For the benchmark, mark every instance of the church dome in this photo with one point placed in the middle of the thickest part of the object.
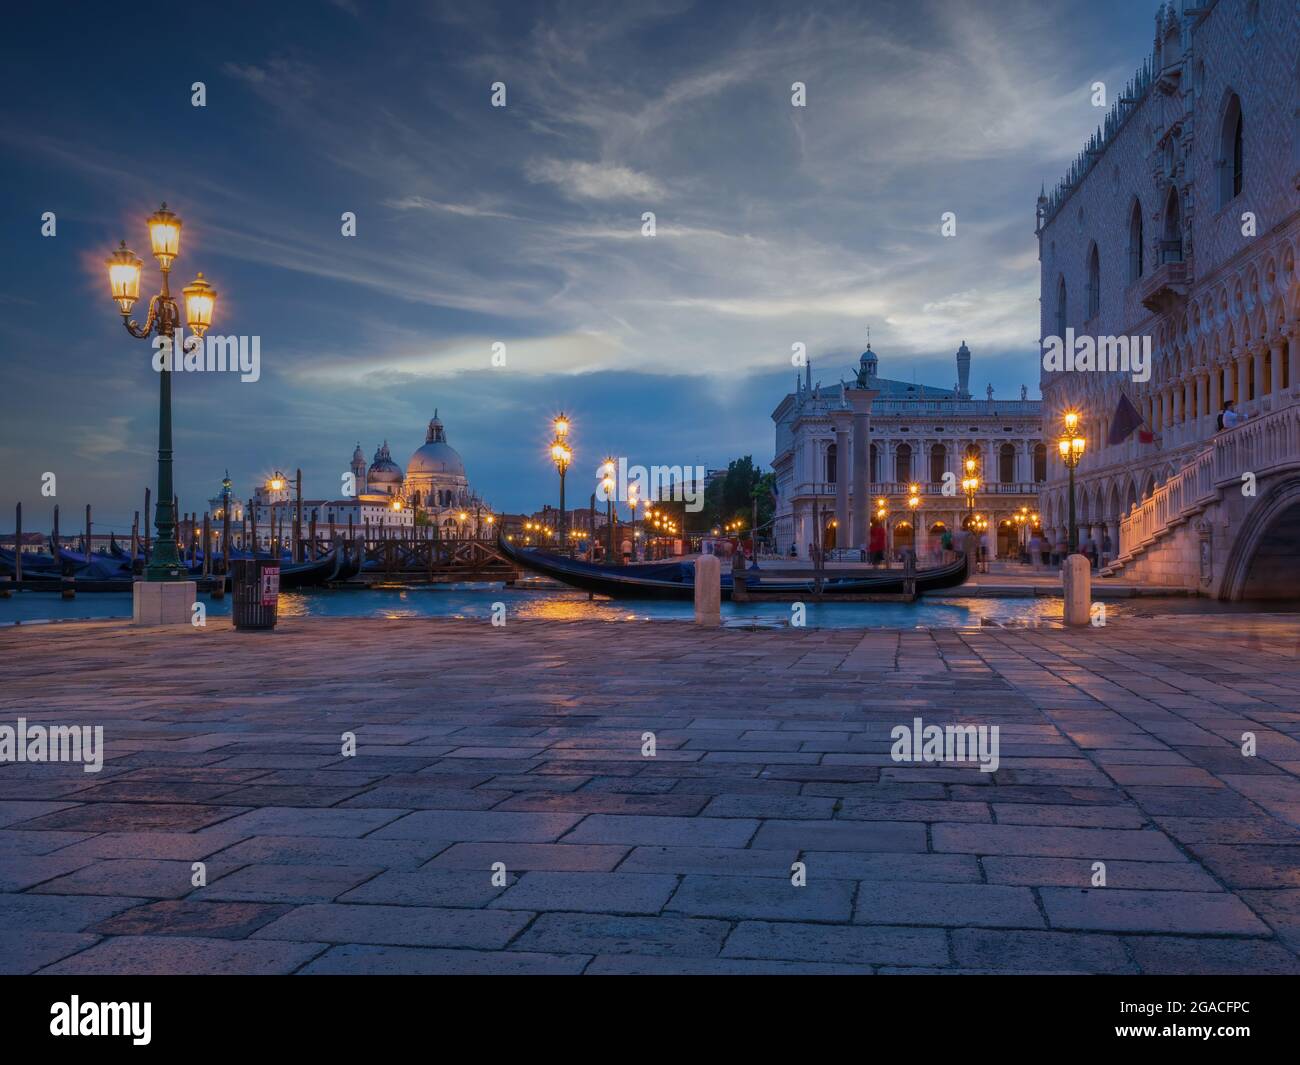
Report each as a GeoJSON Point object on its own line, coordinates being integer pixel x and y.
{"type": "Point", "coordinates": [436, 457]}
{"type": "Point", "coordinates": [384, 470]}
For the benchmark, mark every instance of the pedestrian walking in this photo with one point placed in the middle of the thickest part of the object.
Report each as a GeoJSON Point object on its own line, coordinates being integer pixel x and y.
{"type": "Point", "coordinates": [1036, 551]}
{"type": "Point", "coordinates": [877, 544]}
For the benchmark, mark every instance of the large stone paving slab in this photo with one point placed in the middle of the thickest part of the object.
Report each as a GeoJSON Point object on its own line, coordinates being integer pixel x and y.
{"type": "Point", "coordinates": [513, 824]}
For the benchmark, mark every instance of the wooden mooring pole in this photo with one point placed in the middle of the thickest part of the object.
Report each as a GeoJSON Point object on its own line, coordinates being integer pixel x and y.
{"type": "Point", "coordinates": [16, 580]}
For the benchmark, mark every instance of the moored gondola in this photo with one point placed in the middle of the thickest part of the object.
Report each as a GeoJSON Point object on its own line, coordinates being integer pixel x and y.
{"type": "Point", "coordinates": [676, 580]}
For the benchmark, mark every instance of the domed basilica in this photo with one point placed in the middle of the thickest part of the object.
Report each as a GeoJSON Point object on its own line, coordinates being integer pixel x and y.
{"type": "Point", "coordinates": [434, 484]}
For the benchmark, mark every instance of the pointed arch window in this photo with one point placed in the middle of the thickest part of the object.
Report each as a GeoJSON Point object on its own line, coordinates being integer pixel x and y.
{"type": "Point", "coordinates": [1135, 264]}
{"type": "Point", "coordinates": [1171, 242]}
{"type": "Point", "coordinates": [831, 459]}
{"type": "Point", "coordinates": [1060, 307]}
{"type": "Point", "coordinates": [1231, 152]}
{"type": "Point", "coordinates": [1094, 282]}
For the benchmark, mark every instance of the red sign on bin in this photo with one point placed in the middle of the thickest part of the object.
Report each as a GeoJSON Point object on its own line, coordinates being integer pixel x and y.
{"type": "Point", "coordinates": [270, 585]}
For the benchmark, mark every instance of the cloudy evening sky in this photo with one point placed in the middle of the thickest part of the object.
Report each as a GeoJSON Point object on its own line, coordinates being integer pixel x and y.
{"type": "Point", "coordinates": [521, 224]}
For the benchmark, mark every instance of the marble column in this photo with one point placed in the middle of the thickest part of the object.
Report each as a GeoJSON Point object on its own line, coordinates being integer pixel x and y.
{"type": "Point", "coordinates": [1243, 381]}
{"type": "Point", "coordinates": [860, 401]}
{"type": "Point", "coordinates": [1216, 392]}
{"type": "Point", "coordinates": [1293, 365]}
{"type": "Point", "coordinates": [842, 421]}
{"type": "Point", "coordinates": [1277, 352]}
{"type": "Point", "coordinates": [1261, 385]}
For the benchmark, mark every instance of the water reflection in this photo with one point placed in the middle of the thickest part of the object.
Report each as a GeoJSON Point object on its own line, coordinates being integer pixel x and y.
{"type": "Point", "coordinates": [475, 602]}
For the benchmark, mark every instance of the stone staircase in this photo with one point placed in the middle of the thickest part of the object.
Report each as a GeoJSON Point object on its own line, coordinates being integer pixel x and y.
{"type": "Point", "coordinates": [1181, 498]}
{"type": "Point", "coordinates": [1155, 543]}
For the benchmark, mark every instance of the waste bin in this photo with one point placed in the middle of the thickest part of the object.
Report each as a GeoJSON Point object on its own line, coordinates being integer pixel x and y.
{"type": "Point", "coordinates": [256, 587]}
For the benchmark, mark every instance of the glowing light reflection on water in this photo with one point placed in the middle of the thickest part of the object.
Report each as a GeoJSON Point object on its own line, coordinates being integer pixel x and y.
{"type": "Point", "coordinates": [476, 602]}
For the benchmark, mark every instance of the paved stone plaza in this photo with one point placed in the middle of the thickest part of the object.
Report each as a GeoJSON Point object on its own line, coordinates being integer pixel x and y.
{"type": "Point", "coordinates": [522, 745]}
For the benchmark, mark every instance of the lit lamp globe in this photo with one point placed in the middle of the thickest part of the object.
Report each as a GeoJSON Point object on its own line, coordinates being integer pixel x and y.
{"type": "Point", "coordinates": [165, 236]}
{"type": "Point", "coordinates": [124, 278]}
{"type": "Point", "coordinates": [200, 302]}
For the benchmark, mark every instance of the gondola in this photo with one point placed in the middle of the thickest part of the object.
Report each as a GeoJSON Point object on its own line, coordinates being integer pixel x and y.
{"type": "Point", "coordinates": [33, 561]}
{"type": "Point", "coordinates": [676, 580]}
{"type": "Point", "coordinates": [99, 567]}
{"type": "Point", "coordinates": [102, 578]}
{"type": "Point", "coordinates": [311, 572]}
{"type": "Point", "coordinates": [349, 565]}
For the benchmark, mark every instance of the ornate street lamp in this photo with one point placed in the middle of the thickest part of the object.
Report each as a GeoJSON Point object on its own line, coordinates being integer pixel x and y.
{"type": "Point", "coordinates": [163, 318]}
{"type": "Point", "coordinates": [913, 504]}
{"type": "Point", "coordinates": [1071, 445]}
{"type": "Point", "coordinates": [970, 485]}
{"type": "Point", "coordinates": [561, 455]}
{"type": "Point", "coordinates": [633, 501]}
{"type": "Point", "coordinates": [608, 486]}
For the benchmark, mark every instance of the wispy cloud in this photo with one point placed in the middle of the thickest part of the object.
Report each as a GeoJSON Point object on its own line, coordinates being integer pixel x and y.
{"type": "Point", "coordinates": [595, 181]}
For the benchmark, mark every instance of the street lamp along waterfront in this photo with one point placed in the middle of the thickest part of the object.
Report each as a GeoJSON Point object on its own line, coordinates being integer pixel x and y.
{"type": "Point", "coordinates": [970, 485]}
{"type": "Point", "coordinates": [607, 487]}
{"type": "Point", "coordinates": [561, 455]}
{"type": "Point", "coordinates": [1071, 446]}
{"type": "Point", "coordinates": [156, 605]}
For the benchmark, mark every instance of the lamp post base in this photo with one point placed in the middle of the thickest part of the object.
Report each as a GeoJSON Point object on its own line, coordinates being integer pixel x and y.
{"type": "Point", "coordinates": [163, 602]}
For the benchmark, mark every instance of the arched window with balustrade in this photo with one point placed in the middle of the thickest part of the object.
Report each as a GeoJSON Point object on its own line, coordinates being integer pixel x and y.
{"type": "Point", "coordinates": [1007, 463]}
{"type": "Point", "coordinates": [903, 463]}
{"type": "Point", "coordinates": [1040, 463]}
{"type": "Point", "coordinates": [831, 470]}
{"type": "Point", "coordinates": [938, 462]}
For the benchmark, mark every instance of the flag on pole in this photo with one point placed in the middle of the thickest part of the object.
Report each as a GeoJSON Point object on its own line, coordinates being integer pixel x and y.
{"type": "Point", "coordinates": [1125, 419]}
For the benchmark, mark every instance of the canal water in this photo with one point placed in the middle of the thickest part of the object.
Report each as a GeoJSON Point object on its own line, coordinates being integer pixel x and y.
{"type": "Point", "coordinates": [476, 601]}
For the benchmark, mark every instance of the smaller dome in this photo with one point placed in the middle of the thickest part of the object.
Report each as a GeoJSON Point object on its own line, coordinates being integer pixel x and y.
{"type": "Point", "coordinates": [384, 470]}
{"type": "Point", "coordinates": [358, 455]}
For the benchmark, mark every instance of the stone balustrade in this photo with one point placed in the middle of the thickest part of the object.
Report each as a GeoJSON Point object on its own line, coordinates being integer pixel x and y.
{"type": "Point", "coordinates": [1256, 446]}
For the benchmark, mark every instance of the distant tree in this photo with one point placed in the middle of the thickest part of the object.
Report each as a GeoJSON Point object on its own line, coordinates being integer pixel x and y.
{"type": "Point", "coordinates": [731, 497]}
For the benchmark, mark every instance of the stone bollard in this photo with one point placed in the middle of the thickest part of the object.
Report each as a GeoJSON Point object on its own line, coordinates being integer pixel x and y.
{"type": "Point", "coordinates": [708, 590]}
{"type": "Point", "coordinates": [1076, 583]}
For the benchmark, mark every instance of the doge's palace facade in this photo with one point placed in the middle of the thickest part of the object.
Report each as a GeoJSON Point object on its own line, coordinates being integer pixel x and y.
{"type": "Point", "coordinates": [1180, 221]}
